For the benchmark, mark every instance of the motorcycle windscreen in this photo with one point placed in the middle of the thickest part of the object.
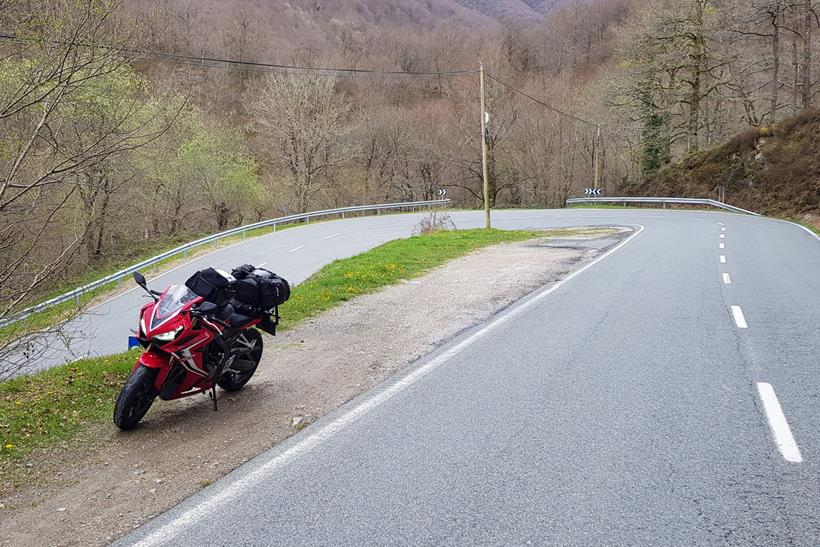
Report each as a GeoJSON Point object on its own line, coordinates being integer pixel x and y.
{"type": "Point", "coordinates": [170, 303]}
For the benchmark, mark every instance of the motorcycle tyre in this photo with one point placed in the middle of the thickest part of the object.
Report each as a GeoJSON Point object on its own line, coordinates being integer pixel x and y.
{"type": "Point", "coordinates": [234, 382]}
{"type": "Point", "coordinates": [135, 398]}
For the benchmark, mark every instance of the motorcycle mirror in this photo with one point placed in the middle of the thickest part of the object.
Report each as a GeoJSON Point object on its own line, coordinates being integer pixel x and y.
{"type": "Point", "coordinates": [208, 307]}
{"type": "Point", "coordinates": [140, 279]}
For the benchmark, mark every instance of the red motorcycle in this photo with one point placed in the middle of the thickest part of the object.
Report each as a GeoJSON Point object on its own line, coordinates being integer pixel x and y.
{"type": "Point", "coordinates": [200, 335]}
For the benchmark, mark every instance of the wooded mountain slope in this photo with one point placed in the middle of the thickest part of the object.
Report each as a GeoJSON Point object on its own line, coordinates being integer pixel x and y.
{"type": "Point", "coordinates": [771, 170]}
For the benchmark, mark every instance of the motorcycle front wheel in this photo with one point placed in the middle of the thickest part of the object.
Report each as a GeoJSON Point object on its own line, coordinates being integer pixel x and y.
{"type": "Point", "coordinates": [136, 397]}
{"type": "Point", "coordinates": [248, 346]}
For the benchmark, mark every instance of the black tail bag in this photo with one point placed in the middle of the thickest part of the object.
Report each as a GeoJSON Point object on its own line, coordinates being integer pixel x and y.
{"type": "Point", "coordinates": [260, 289]}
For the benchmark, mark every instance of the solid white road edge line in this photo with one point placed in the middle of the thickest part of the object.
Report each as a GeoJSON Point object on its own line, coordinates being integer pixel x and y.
{"type": "Point", "coordinates": [726, 279]}
{"type": "Point", "coordinates": [783, 437]}
{"type": "Point", "coordinates": [296, 248]}
{"type": "Point", "coordinates": [333, 235]}
{"type": "Point", "coordinates": [799, 226]}
{"type": "Point", "coordinates": [166, 534]}
{"type": "Point", "coordinates": [740, 320]}
{"type": "Point", "coordinates": [722, 259]}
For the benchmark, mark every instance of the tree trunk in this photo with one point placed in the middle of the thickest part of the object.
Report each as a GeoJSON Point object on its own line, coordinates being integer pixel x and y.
{"type": "Point", "coordinates": [796, 80]}
{"type": "Point", "coordinates": [698, 66]}
{"type": "Point", "coordinates": [101, 221]}
{"type": "Point", "coordinates": [775, 66]}
{"type": "Point", "coordinates": [807, 55]}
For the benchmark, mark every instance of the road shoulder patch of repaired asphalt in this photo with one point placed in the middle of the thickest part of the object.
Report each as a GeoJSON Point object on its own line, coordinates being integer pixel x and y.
{"type": "Point", "coordinates": [109, 483]}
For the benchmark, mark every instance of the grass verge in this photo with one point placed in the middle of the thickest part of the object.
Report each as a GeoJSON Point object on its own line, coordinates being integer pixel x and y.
{"type": "Point", "coordinates": [54, 405]}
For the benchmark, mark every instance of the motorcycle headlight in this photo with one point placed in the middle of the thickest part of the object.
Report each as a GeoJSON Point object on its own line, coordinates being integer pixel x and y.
{"type": "Point", "coordinates": [167, 336]}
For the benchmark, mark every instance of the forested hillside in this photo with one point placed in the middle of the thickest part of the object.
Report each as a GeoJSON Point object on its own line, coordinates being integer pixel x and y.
{"type": "Point", "coordinates": [125, 124]}
{"type": "Point", "coordinates": [772, 170]}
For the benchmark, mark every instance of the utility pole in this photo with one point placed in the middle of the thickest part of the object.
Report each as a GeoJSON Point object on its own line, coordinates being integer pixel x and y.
{"type": "Point", "coordinates": [596, 156]}
{"type": "Point", "coordinates": [484, 151]}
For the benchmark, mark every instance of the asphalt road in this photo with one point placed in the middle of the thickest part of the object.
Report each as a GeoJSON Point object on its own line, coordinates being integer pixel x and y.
{"type": "Point", "coordinates": [647, 399]}
{"type": "Point", "coordinates": [295, 253]}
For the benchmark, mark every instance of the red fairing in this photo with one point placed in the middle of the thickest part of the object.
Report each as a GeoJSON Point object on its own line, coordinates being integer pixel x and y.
{"type": "Point", "coordinates": [152, 360]}
{"type": "Point", "coordinates": [174, 338]}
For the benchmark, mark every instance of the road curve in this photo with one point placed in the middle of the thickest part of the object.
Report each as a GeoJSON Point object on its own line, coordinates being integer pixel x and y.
{"type": "Point", "coordinates": [666, 394]}
{"type": "Point", "coordinates": [295, 253]}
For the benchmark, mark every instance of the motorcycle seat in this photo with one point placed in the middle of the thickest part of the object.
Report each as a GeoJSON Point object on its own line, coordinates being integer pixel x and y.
{"type": "Point", "coordinates": [237, 320]}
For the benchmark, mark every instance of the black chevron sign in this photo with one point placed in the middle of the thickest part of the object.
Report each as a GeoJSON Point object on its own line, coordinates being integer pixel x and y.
{"type": "Point", "coordinates": [592, 191]}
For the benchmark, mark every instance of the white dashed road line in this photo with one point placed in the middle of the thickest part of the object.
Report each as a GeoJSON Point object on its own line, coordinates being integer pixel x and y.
{"type": "Point", "coordinates": [726, 279]}
{"type": "Point", "coordinates": [296, 248]}
{"type": "Point", "coordinates": [740, 320]}
{"type": "Point", "coordinates": [781, 431]}
{"type": "Point", "coordinates": [333, 235]}
{"type": "Point", "coordinates": [722, 245]}
{"type": "Point", "coordinates": [722, 236]}
{"type": "Point", "coordinates": [723, 259]}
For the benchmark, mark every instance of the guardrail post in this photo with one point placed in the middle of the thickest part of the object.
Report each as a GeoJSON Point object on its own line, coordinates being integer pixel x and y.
{"type": "Point", "coordinates": [274, 227]}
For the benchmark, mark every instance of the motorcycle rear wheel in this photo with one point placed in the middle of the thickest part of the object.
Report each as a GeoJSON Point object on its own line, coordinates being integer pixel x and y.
{"type": "Point", "coordinates": [251, 341]}
{"type": "Point", "coordinates": [135, 398]}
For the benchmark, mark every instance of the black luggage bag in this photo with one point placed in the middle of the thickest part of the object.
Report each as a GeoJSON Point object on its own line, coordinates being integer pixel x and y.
{"type": "Point", "coordinates": [260, 289]}
{"type": "Point", "coordinates": [211, 285]}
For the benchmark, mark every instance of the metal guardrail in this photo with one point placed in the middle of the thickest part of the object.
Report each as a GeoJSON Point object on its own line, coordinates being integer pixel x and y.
{"type": "Point", "coordinates": [76, 293]}
{"type": "Point", "coordinates": [664, 202]}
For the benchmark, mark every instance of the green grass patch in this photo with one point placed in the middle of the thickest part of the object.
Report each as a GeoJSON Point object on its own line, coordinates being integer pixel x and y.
{"type": "Point", "coordinates": [385, 265]}
{"type": "Point", "coordinates": [54, 405]}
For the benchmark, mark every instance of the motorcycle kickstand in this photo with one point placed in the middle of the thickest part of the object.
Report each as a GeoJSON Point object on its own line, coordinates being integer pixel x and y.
{"type": "Point", "coordinates": [213, 397]}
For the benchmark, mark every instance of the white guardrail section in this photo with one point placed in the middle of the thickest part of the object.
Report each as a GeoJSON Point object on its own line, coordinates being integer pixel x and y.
{"type": "Point", "coordinates": [664, 202]}
{"type": "Point", "coordinates": [183, 249]}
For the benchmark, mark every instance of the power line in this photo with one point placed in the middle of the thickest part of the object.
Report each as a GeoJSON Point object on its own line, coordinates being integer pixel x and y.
{"type": "Point", "coordinates": [217, 62]}
{"type": "Point", "coordinates": [188, 59]}
{"type": "Point", "coordinates": [542, 103]}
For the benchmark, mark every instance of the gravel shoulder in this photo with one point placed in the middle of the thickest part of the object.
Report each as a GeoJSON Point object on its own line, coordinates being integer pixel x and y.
{"type": "Point", "coordinates": [108, 482]}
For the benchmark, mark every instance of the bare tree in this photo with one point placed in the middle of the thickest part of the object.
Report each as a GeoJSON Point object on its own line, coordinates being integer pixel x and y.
{"type": "Point", "coordinates": [302, 120]}
{"type": "Point", "coordinates": [60, 132]}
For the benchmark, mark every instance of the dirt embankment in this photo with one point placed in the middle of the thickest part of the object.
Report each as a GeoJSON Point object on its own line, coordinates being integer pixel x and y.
{"type": "Point", "coordinates": [773, 170]}
{"type": "Point", "coordinates": [107, 482]}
